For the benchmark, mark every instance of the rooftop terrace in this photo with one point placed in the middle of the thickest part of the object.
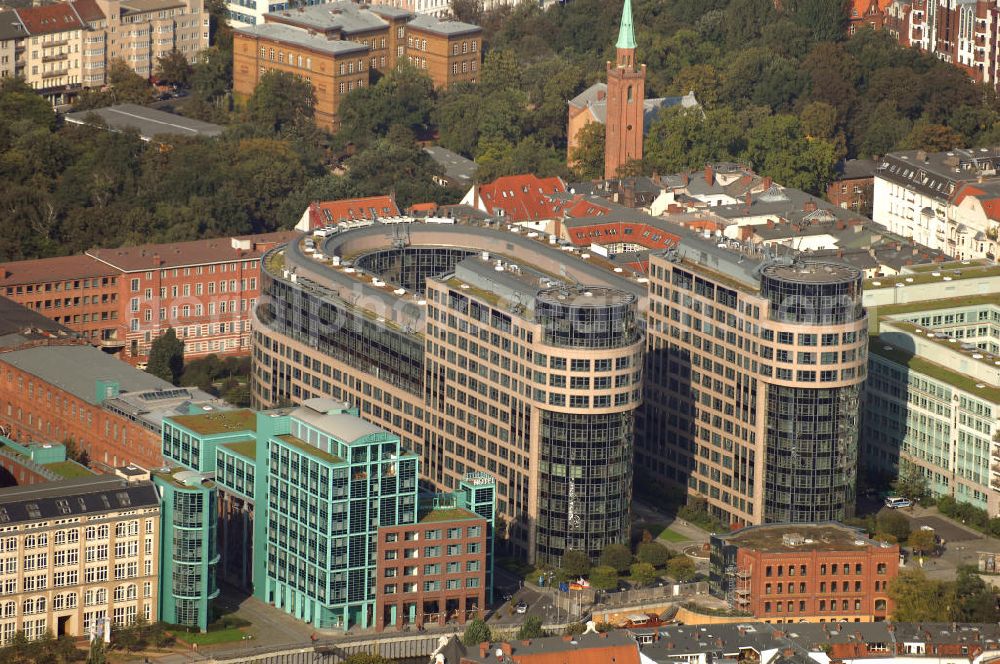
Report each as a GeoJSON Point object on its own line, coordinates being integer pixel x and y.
{"type": "Point", "coordinates": [814, 537]}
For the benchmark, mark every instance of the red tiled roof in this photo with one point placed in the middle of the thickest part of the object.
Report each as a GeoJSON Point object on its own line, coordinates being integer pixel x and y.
{"type": "Point", "coordinates": [423, 207]}
{"type": "Point", "coordinates": [49, 19]}
{"type": "Point", "coordinates": [328, 213]}
{"type": "Point", "coordinates": [61, 268]}
{"type": "Point", "coordinates": [630, 232]}
{"type": "Point", "coordinates": [88, 10]}
{"type": "Point", "coordinates": [197, 252]}
{"type": "Point", "coordinates": [860, 8]}
{"type": "Point", "coordinates": [581, 207]}
{"type": "Point", "coordinates": [522, 197]}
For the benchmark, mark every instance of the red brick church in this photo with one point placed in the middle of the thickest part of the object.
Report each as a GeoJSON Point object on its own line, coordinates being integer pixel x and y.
{"type": "Point", "coordinates": [620, 105]}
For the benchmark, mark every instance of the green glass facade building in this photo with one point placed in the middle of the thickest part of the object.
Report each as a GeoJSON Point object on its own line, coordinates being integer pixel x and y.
{"type": "Point", "coordinates": [189, 553]}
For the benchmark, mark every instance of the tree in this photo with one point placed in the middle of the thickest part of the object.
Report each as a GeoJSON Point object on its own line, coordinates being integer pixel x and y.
{"type": "Point", "coordinates": [933, 138]}
{"type": "Point", "coordinates": [531, 629]}
{"type": "Point", "coordinates": [681, 568]}
{"type": "Point", "coordinates": [281, 101]}
{"type": "Point", "coordinates": [603, 577]}
{"type": "Point", "coordinates": [575, 563]}
{"type": "Point", "coordinates": [917, 598]}
{"type": "Point", "coordinates": [923, 541]}
{"type": "Point", "coordinates": [642, 574]}
{"type": "Point", "coordinates": [468, 11]}
{"type": "Point", "coordinates": [892, 522]}
{"type": "Point", "coordinates": [617, 557]}
{"type": "Point", "coordinates": [174, 68]}
{"type": "Point", "coordinates": [826, 19]}
{"type": "Point", "coordinates": [127, 87]}
{"type": "Point", "coordinates": [974, 601]}
{"type": "Point", "coordinates": [653, 553]}
{"type": "Point", "coordinates": [476, 632]}
{"type": "Point", "coordinates": [587, 156]}
{"type": "Point", "coordinates": [166, 357]}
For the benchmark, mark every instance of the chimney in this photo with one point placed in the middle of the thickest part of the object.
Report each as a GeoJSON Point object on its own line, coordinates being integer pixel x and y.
{"type": "Point", "coordinates": [567, 638]}
{"type": "Point", "coordinates": [685, 179]}
{"type": "Point", "coordinates": [603, 635]}
{"type": "Point", "coordinates": [601, 95]}
{"type": "Point", "coordinates": [709, 174]}
{"type": "Point", "coordinates": [156, 260]}
{"type": "Point", "coordinates": [787, 652]}
{"type": "Point", "coordinates": [749, 200]}
{"type": "Point", "coordinates": [777, 634]}
{"type": "Point", "coordinates": [810, 206]}
{"type": "Point", "coordinates": [484, 648]}
{"type": "Point", "coordinates": [505, 647]}
{"type": "Point", "coordinates": [766, 183]}
{"type": "Point", "coordinates": [526, 642]}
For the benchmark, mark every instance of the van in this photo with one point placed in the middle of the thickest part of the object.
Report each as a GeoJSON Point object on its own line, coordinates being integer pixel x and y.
{"type": "Point", "coordinates": [896, 503]}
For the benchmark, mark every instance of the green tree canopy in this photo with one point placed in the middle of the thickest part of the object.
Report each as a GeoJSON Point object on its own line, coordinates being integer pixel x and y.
{"type": "Point", "coordinates": [575, 563]}
{"type": "Point", "coordinates": [174, 68]}
{"type": "Point", "coordinates": [281, 101]}
{"type": "Point", "coordinates": [531, 629]}
{"type": "Point", "coordinates": [642, 574]}
{"type": "Point", "coordinates": [166, 357]}
{"type": "Point", "coordinates": [617, 557]}
{"type": "Point", "coordinates": [588, 155]}
{"type": "Point", "coordinates": [922, 541]}
{"type": "Point", "coordinates": [476, 632]}
{"type": "Point", "coordinates": [917, 598]}
{"type": "Point", "coordinates": [681, 568]}
{"type": "Point", "coordinates": [603, 577]}
{"type": "Point", "coordinates": [653, 553]}
{"type": "Point", "coordinates": [892, 522]}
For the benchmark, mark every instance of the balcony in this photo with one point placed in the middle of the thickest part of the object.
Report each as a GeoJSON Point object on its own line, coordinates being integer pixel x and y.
{"type": "Point", "coordinates": [56, 73]}
{"type": "Point", "coordinates": [111, 343]}
{"type": "Point", "coordinates": [56, 44]}
{"type": "Point", "coordinates": [54, 57]}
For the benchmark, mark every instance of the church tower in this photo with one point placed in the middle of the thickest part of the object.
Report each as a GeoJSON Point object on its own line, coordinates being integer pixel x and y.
{"type": "Point", "coordinates": [626, 94]}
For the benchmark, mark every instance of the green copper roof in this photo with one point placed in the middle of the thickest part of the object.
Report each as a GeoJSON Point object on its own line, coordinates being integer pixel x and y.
{"type": "Point", "coordinates": [626, 38]}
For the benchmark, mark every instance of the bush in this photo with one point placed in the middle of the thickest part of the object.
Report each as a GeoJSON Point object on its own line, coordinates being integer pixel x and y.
{"type": "Point", "coordinates": [617, 557]}
{"type": "Point", "coordinates": [892, 522]}
{"type": "Point", "coordinates": [575, 563]}
{"type": "Point", "coordinates": [653, 553]}
{"type": "Point", "coordinates": [603, 578]}
{"type": "Point", "coordinates": [531, 629]}
{"type": "Point", "coordinates": [681, 568]}
{"type": "Point", "coordinates": [476, 632]}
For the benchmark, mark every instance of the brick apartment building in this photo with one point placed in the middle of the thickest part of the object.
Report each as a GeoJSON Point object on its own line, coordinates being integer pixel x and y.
{"type": "Point", "coordinates": [339, 46]}
{"type": "Point", "coordinates": [431, 572]}
{"type": "Point", "coordinates": [854, 186]}
{"type": "Point", "coordinates": [804, 572]}
{"type": "Point", "coordinates": [63, 47]}
{"type": "Point", "coordinates": [123, 299]}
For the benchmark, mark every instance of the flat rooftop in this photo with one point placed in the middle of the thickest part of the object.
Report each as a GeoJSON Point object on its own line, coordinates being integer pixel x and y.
{"type": "Point", "coordinates": [812, 272]}
{"type": "Point", "coordinates": [149, 122]}
{"type": "Point", "coordinates": [246, 448]}
{"type": "Point", "coordinates": [219, 422]}
{"type": "Point", "coordinates": [311, 450]}
{"type": "Point", "coordinates": [812, 537]}
{"type": "Point", "coordinates": [447, 514]}
{"type": "Point", "coordinates": [287, 34]}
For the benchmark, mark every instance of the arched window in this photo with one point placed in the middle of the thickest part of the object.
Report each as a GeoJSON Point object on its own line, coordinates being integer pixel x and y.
{"type": "Point", "coordinates": [629, 93]}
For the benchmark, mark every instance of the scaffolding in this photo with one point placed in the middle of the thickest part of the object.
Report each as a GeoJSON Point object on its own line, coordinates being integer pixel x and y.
{"type": "Point", "coordinates": [738, 587]}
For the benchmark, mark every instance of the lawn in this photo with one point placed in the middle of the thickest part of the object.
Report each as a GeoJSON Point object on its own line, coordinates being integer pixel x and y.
{"type": "Point", "coordinates": [212, 638]}
{"type": "Point", "coordinates": [671, 536]}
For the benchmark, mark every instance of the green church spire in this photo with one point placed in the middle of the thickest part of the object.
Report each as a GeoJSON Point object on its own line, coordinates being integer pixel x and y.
{"type": "Point", "coordinates": [626, 38]}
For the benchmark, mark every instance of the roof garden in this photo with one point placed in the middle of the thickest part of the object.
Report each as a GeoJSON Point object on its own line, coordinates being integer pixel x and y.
{"type": "Point", "coordinates": [936, 371]}
{"type": "Point", "coordinates": [441, 514]}
{"type": "Point", "coordinates": [68, 469]}
{"type": "Point", "coordinates": [309, 449]}
{"type": "Point", "coordinates": [218, 422]}
{"type": "Point", "coordinates": [246, 448]}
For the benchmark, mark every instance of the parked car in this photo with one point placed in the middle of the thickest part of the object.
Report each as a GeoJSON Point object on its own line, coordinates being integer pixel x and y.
{"type": "Point", "coordinates": [521, 607]}
{"type": "Point", "coordinates": [896, 503]}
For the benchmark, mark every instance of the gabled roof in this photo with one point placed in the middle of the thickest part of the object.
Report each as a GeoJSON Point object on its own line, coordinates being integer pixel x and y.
{"type": "Point", "coordinates": [50, 19]}
{"type": "Point", "coordinates": [11, 26]}
{"type": "Point", "coordinates": [595, 100]}
{"type": "Point", "coordinates": [328, 213]}
{"type": "Point", "coordinates": [521, 197]}
{"type": "Point", "coordinates": [197, 252]}
{"type": "Point", "coordinates": [88, 10]}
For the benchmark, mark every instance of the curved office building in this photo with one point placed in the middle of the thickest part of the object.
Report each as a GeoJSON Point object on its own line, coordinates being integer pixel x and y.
{"type": "Point", "coordinates": [483, 352]}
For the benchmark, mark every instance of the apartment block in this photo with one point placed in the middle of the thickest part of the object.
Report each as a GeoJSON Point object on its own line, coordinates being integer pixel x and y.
{"type": "Point", "coordinates": [63, 47]}
{"type": "Point", "coordinates": [932, 401]}
{"type": "Point", "coordinates": [120, 300]}
{"type": "Point", "coordinates": [821, 572]}
{"type": "Point", "coordinates": [76, 552]}
{"type": "Point", "coordinates": [57, 391]}
{"type": "Point", "coordinates": [944, 200]}
{"type": "Point", "coordinates": [310, 497]}
{"type": "Point", "coordinates": [338, 46]}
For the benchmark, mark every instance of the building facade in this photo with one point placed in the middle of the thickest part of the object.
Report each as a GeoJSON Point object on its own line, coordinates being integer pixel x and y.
{"type": "Point", "coordinates": [188, 544]}
{"type": "Point", "coordinates": [754, 382]}
{"type": "Point", "coordinates": [64, 47]}
{"type": "Point", "coordinates": [932, 401]}
{"type": "Point", "coordinates": [76, 552]}
{"type": "Point", "coordinates": [303, 500]}
{"type": "Point", "coordinates": [340, 46]}
{"type": "Point", "coordinates": [804, 573]}
{"type": "Point", "coordinates": [122, 299]}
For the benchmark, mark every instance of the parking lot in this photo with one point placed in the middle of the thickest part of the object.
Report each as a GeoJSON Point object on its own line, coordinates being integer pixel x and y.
{"type": "Point", "coordinates": [962, 545]}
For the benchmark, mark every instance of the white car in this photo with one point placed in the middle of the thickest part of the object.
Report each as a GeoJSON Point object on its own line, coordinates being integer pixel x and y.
{"type": "Point", "coordinates": [896, 503]}
{"type": "Point", "coordinates": [521, 607]}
